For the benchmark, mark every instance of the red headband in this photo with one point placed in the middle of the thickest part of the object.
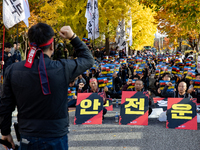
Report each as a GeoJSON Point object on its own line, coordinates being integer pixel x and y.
{"type": "Point", "coordinates": [34, 48]}
{"type": "Point", "coordinates": [93, 80]}
{"type": "Point", "coordinates": [41, 66]}
{"type": "Point", "coordinates": [48, 43]}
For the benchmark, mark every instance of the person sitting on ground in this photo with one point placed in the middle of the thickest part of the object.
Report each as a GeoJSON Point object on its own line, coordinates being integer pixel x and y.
{"type": "Point", "coordinates": [94, 73]}
{"type": "Point", "coordinates": [195, 92]}
{"type": "Point", "coordinates": [124, 73]}
{"type": "Point", "coordinates": [135, 75]}
{"type": "Point", "coordinates": [94, 89]}
{"type": "Point", "coordinates": [72, 100]}
{"type": "Point", "coordinates": [97, 54]}
{"type": "Point", "coordinates": [139, 87]}
{"type": "Point", "coordinates": [80, 79]}
{"type": "Point", "coordinates": [166, 77]}
{"type": "Point", "coordinates": [127, 87]}
{"type": "Point", "coordinates": [145, 77]}
{"type": "Point", "coordinates": [117, 83]}
{"type": "Point", "coordinates": [181, 93]}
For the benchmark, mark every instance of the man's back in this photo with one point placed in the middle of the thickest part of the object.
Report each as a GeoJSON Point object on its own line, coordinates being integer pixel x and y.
{"type": "Point", "coordinates": [39, 88]}
{"type": "Point", "coordinates": [38, 114]}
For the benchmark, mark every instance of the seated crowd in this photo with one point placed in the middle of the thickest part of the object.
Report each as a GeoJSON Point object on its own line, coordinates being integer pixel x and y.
{"type": "Point", "coordinates": [122, 81]}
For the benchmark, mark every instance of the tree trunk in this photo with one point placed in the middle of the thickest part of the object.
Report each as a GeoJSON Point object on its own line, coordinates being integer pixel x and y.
{"type": "Point", "coordinates": [129, 51]}
{"type": "Point", "coordinates": [197, 45]}
{"type": "Point", "coordinates": [107, 46]}
{"type": "Point", "coordinates": [180, 44]}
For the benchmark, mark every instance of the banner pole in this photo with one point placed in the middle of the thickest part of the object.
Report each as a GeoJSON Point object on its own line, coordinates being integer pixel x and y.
{"type": "Point", "coordinates": [17, 35]}
{"type": "Point", "coordinates": [3, 46]}
{"type": "Point", "coordinates": [2, 58]}
{"type": "Point", "coordinates": [94, 22]}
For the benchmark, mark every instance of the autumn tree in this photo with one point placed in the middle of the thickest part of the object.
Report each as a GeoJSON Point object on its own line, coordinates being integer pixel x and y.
{"type": "Point", "coordinates": [57, 13]}
{"type": "Point", "coordinates": [180, 19]}
{"type": "Point", "coordinates": [72, 13]}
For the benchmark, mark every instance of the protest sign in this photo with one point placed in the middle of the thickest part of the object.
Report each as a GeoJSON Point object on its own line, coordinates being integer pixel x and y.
{"type": "Point", "coordinates": [139, 70]}
{"type": "Point", "coordinates": [175, 69]}
{"type": "Point", "coordinates": [105, 81]}
{"type": "Point", "coordinates": [168, 70]}
{"type": "Point", "coordinates": [134, 108]}
{"type": "Point", "coordinates": [89, 108]}
{"type": "Point", "coordinates": [108, 105]}
{"type": "Point", "coordinates": [160, 103]}
{"type": "Point", "coordinates": [157, 72]}
{"type": "Point", "coordinates": [191, 75]}
{"type": "Point", "coordinates": [196, 84]}
{"type": "Point", "coordinates": [198, 107]}
{"type": "Point", "coordinates": [181, 113]}
{"type": "Point", "coordinates": [107, 70]}
{"type": "Point", "coordinates": [132, 85]}
{"type": "Point", "coordinates": [164, 83]}
{"type": "Point", "coordinates": [186, 69]}
{"type": "Point", "coordinates": [71, 92]}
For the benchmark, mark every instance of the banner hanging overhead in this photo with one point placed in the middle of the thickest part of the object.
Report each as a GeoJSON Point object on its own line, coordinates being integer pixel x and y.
{"type": "Point", "coordinates": [92, 15]}
{"type": "Point", "coordinates": [15, 11]}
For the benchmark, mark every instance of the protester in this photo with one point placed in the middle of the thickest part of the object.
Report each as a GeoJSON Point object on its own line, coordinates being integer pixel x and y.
{"type": "Point", "coordinates": [17, 54]}
{"type": "Point", "coordinates": [94, 73]}
{"type": "Point", "coordinates": [122, 53]}
{"type": "Point", "coordinates": [94, 89]}
{"type": "Point", "coordinates": [38, 88]}
{"type": "Point", "coordinates": [72, 100]}
{"type": "Point", "coordinates": [112, 52]}
{"type": "Point", "coordinates": [125, 72]}
{"type": "Point", "coordinates": [8, 59]}
{"type": "Point", "coordinates": [97, 54]}
{"type": "Point", "coordinates": [139, 87]}
{"type": "Point", "coordinates": [80, 79]}
{"type": "Point", "coordinates": [181, 93]}
{"type": "Point", "coordinates": [166, 77]}
{"type": "Point", "coordinates": [128, 83]}
{"type": "Point", "coordinates": [195, 93]}
{"type": "Point", "coordinates": [15, 47]}
{"type": "Point", "coordinates": [103, 53]}
{"type": "Point", "coordinates": [117, 83]}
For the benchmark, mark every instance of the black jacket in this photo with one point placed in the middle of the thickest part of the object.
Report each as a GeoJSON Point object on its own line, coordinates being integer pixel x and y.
{"type": "Point", "coordinates": [117, 83]}
{"type": "Point", "coordinates": [97, 54]}
{"type": "Point", "coordinates": [196, 94]}
{"type": "Point", "coordinates": [174, 94]}
{"type": "Point", "coordinates": [41, 115]}
{"type": "Point", "coordinates": [7, 60]}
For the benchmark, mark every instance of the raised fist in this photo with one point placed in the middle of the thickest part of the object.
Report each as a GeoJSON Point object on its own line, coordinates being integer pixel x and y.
{"type": "Point", "coordinates": [66, 32]}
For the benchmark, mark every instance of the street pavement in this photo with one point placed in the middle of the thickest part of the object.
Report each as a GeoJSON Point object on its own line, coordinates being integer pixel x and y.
{"type": "Point", "coordinates": [111, 136]}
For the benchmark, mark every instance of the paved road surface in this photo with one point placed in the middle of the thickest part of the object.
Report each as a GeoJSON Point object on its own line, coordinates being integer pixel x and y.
{"type": "Point", "coordinates": [111, 136]}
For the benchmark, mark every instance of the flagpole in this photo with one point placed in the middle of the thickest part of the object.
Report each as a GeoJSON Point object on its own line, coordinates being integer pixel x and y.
{"type": "Point", "coordinates": [3, 47]}
{"type": "Point", "coordinates": [2, 57]}
{"type": "Point", "coordinates": [94, 21]}
{"type": "Point", "coordinates": [17, 35]}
